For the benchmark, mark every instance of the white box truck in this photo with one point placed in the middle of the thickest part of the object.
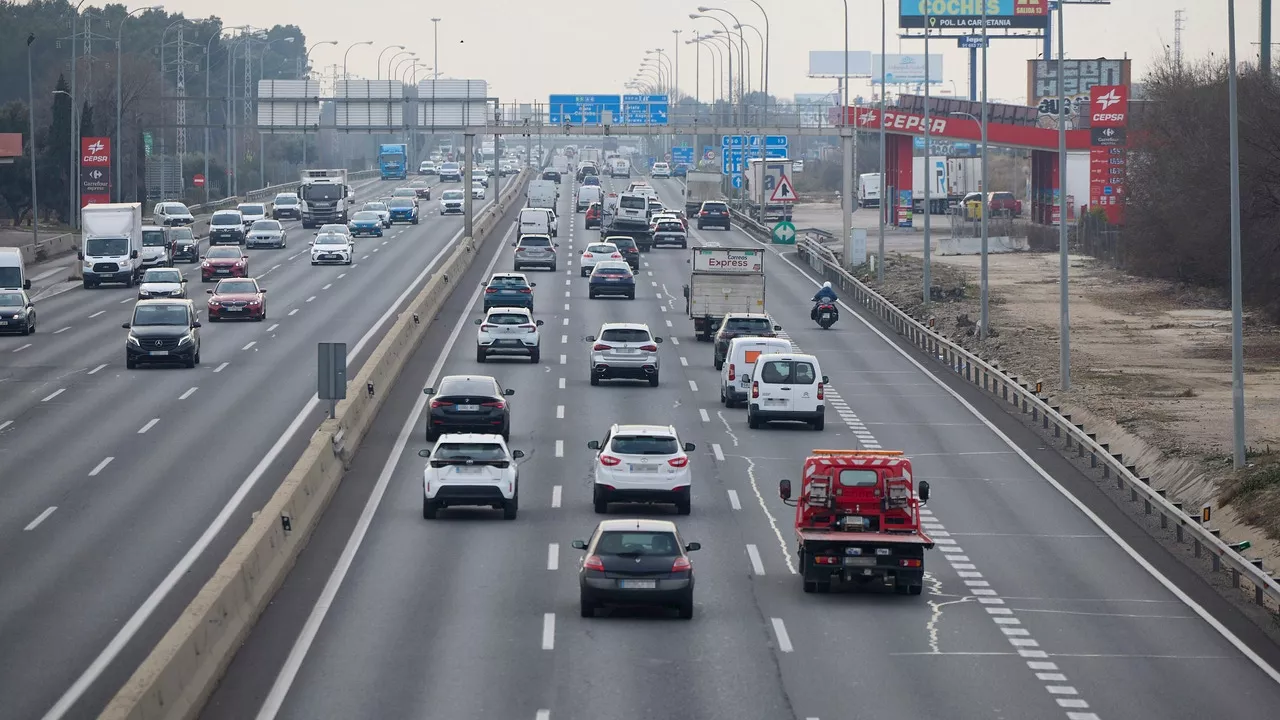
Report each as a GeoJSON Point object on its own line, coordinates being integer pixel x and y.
{"type": "Point", "coordinates": [723, 280]}
{"type": "Point", "coordinates": [111, 244]}
{"type": "Point", "coordinates": [699, 187]}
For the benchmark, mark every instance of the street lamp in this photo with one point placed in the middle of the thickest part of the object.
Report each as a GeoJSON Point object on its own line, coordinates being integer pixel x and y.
{"type": "Point", "coordinates": [304, 73]}
{"type": "Point", "coordinates": [208, 66]}
{"type": "Point", "coordinates": [410, 58]}
{"type": "Point", "coordinates": [435, 48]}
{"type": "Point", "coordinates": [675, 54]}
{"type": "Point", "coordinates": [766, 51]}
{"type": "Point", "coordinates": [744, 62]}
{"type": "Point", "coordinates": [393, 62]}
{"type": "Point", "coordinates": [73, 216]}
{"type": "Point", "coordinates": [1237, 302]}
{"type": "Point", "coordinates": [384, 52]}
{"type": "Point", "coordinates": [119, 131]}
{"type": "Point", "coordinates": [348, 52]}
{"type": "Point", "coordinates": [695, 16]}
{"type": "Point", "coordinates": [718, 62]}
{"type": "Point", "coordinates": [741, 43]}
{"type": "Point", "coordinates": [31, 136]}
{"type": "Point", "coordinates": [661, 57]}
{"type": "Point", "coordinates": [982, 129]}
{"type": "Point", "coordinates": [759, 35]}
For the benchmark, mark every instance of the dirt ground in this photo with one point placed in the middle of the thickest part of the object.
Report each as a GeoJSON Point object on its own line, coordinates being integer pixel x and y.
{"type": "Point", "coordinates": [1151, 372]}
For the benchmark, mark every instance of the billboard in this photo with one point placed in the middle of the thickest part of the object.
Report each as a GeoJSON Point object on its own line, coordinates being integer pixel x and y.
{"type": "Point", "coordinates": [95, 170]}
{"type": "Point", "coordinates": [830, 63]}
{"type": "Point", "coordinates": [967, 14]}
{"type": "Point", "coordinates": [1108, 158]}
{"type": "Point", "coordinates": [1078, 76]}
{"type": "Point", "coordinates": [906, 69]}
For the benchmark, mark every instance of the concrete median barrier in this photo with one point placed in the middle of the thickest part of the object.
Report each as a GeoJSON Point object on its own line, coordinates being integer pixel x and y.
{"type": "Point", "coordinates": [175, 680]}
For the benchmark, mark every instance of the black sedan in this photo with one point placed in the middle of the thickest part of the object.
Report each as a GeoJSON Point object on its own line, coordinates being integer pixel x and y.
{"type": "Point", "coordinates": [469, 404]}
{"type": "Point", "coordinates": [636, 563]}
{"type": "Point", "coordinates": [611, 277]}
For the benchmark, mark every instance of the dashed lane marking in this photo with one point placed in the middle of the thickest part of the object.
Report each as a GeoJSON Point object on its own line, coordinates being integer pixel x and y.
{"type": "Point", "coordinates": [757, 565]}
{"type": "Point", "coordinates": [717, 451]}
{"type": "Point", "coordinates": [273, 327]}
{"type": "Point", "coordinates": [55, 332]}
{"type": "Point", "coordinates": [293, 312]}
{"type": "Point", "coordinates": [702, 413]}
{"type": "Point", "coordinates": [188, 393]}
{"type": "Point", "coordinates": [96, 314]}
{"type": "Point", "coordinates": [40, 518]}
{"type": "Point", "coordinates": [54, 394]}
{"type": "Point", "coordinates": [548, 631]}
{"type": "Point", "coordinates": [693, 386]}
{"type": "Point", "coordinates": [556, 493]}
{"type": "Point", "coordinates": [561, 383]}
{"type": "Point", "coordinates": [251, 344]}
{"type": "Point", "coordinates": [553, 556]}
{"type": "Point", "coordinates": [326, 287]}
{"type": "Point", "coordinates": [5, 424]}
{"type": "Point", "coordinates": [313, 297]}
{"type": "Point", "coordinates": [559, 448]}
{"type": "Point", "coordinates": [150, 424]}
{"type": "Point", "coordinates": [559, 412]}
{"type": "Point", "coordinates": [221, 367]}
{"type": "Point", "coordinates": [734, 502]}
{"type": "Point", "coordinates": [100, 466]}
{"type": "Point", "coordinates": [784, 640]}
{"type": "Point", "coordinates": [24, 347]}
{"type": "Point", "coordinates": [96, 369]}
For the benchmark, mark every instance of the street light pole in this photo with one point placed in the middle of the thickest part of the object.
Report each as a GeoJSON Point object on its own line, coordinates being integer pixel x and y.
{"type": "Point", "coordinates": [675, 53]}
{"type": "Point", "coordinates": [884, 207]}
{"type": "Point", "coordinates": [847, 140]}
{"type": "Point", "coordinates": [73, 216]}
{"type": "Point", "coordinates": [348, 52]}
{"type": "Point", "coordinates": [1237, 302]}
{"type": "Point", "coordinates": [394, 62]}
{"type": "Point", "coordinates": [384, 52]}
{"type": "Point", "coordinates": [765, 64]}
{"type": "Point", "coordinates": [928, 168]}
{"type": "Point", "coordinates": [1064, 298]}
{"type": "Point", "coordinates": [983, 333]}
{"type": "Point", "coordinates": [306, 74]}
{"type": "Point", "coordinates": [435, 48]}
{"type": "Point", "coordinates": [119, 194]}
{"type": "Point", "coordinates": [31, 132]}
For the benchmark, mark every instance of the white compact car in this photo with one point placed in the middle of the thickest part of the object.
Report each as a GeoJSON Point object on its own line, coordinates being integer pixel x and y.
{"type": "Point", "coordinates": [332, 249]}
{"type": "Point", "coordinates": [477, 190]}
{"type": "Point", "coordinates": [508, 330]}
{"type": "Point", "coordinates": [162, 283]}
{"type": "Point", "coordinates": [171, 213]}
{"type": "Point", "coordinates": [624, 350]}
{"type": "Point", "coordinates": [452, 201]}
{"type": "Point", "coordinates": [786, 386]}
{"type": "Point", "coordinates": [597, 252]}
{"type": "Point", "coordinates": [660, 170]}
{"type": "Point", "coordinates": [642, 464]}
{"type": "Point", "coordinates": [471, 469]}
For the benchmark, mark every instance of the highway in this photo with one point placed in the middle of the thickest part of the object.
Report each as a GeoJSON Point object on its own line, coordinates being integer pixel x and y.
{"type": "Point", "coordinates": [1031, 608]}
{"type": "Point", "coordinates": [123, 489]}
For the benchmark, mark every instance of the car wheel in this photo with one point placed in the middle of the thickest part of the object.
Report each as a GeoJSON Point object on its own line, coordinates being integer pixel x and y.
{"type": "Point", "coordinates": [600, 501]}
{"type": "Point", "coordinates": [348, 261]}
{"type": "Point", "coordinates": [480, 355]}
{"type": "Point", "coordinates": [683, 506]}
{"type": "Point", "coordinates": [594, 379]}
{"type": "Point", "coordinates": [130, 363]}
{"type": "Point", "coordinates": [718, 363]}
{"type": "Point", "coordinates": [819, 423]}
{"type": "Point", "coordinates": [685, 608]}
{"type": "Point", "coordinates": [511, 507]}
{"type": "Point", "coordinates": [191, 362]}
{"type": "Point", "coordinates": [553, 267]}
{"type": "Point", "coordinates": [584, 274]}
{"type": "Point", "coordinates": [261, 317]}
{"type": "Point", "coordinates": [810, 586]}
{"type": "Point", "coordinates": [653, 380]}
{"type": "Point", "coordinates": [535, 356]}
{"type": "Point", "coordinates": [752, 422]}
{"type": "Point", "coordinates": [586, 607]}
{"type": "Point", "coordinates": [429, 509]}
{"type": "Point", "coordinates": [700, 226]}
{"type": "Point", "coordinates": [197, 356]}
{"type": "Point", "coordinates": [313, 264]}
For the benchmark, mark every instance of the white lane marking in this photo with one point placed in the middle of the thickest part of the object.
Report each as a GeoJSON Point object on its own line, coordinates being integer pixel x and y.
{"type": "Point", "coordinates": [289, 670]}
{"type": "Point", "coordinates": [561, 383]}
{"type": "Point", "coordinates": [96, 369]}
{"type": "Point", "coordinates": [717, 451]}
{"type": "Point", "coordinates": [655, 283]}
{"type": "Point", "coordinates": [563, 359]}
{"type": "Point", "coordinates": [100, 466]}
{"type": "Point", "coordinates": [564, 339]}
{"type": "Point", "coordinates": [553, 556]}
{"type": "Point", "coordinates": [568, 282]}
{"type": "Point", "coordinates": [556, 493]}
{"type": "Point", "coordinates": [684, 361]}
{"type": "Point", "coordinates": [548, 631]}
{"type": "Point", "coordinates": [24, 347]}
{"type": "Point", "coordinates": [54, 394]}
{"type": "Point", "coordinates": [559, 412]}
{"type": "Point", "coordinates": [273, 327]}
{"type": "Point", "coordinates": [313, 297]}
{"type": "Point", "coordinates": [668, 322]}
{"type": "Point", "coordinates": [566, 306]}
{"type": "Point", "coordinates": [126, 300]}
{"type": "Point", "coordinates": [251, 344]}
{"type": "Point", "coordinates": [40, 518]}
{"type": "Point", "coordinates": [274, 267]}
{"type": "Point", "coordinates": [734, 502]}
{"type": "Point", "coordinates": [559, 448]}
{"type": "Point", "coordinates": [757, 565]}
{"type": "Point", "coordinates": [5, 424]}
{"type": "Point", "coordinates": [55, 332]}
{"type": "Point", "coordinates": [292, 312]}
{"type": "Point", "coordinates": [342, 276]}
{"type": "Point", "coordinates": [567, 293]}
{"type": "Point", "coordinates": [150, 424]}
{"type": "Point", "coordinates": [326, 287]}
{"type": "Point", "coordinates": [188, 393]}
{"type": "Point", "coordinates": [784, 640]}
{"type": "Point", "coordinates": [566, 321]}
{"type": "Point", "coordinates": [221, 367]}
{"type": "Point", "coordinates": [96, 314]}
{"type": "Point", "coordinates": [702, 413]}
{"type": "Point", "coordinates": [693, 386]}
{"type": "Point", "coordinates": [675, 341]}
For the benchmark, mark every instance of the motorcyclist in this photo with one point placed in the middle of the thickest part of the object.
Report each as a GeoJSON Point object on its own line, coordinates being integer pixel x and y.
{"type": "Point", "coordinates": [824, 295]}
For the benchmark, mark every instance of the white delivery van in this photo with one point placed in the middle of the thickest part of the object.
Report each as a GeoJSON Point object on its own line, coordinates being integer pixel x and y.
{"type": "Point", "coordinates": [13, 272]}
{"type": "Point", "coordinates": [869, 190]}
{"type": "Point", "coordinates": [533, 221]}
{"type": "Point", "coordinates": [735, 372]}
{"type": "Point", "coordinates": [619, 167]}
{"type": "Point", "coordinates": [786, 387]}
{"type": "Point", "coordinates": [588, 194]}
{"type": "Point", "coordinates": [542, 193]}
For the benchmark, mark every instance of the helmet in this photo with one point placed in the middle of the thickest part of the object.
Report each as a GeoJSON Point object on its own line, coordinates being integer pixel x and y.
{"type": "Point", "coordinates": [826, 285]}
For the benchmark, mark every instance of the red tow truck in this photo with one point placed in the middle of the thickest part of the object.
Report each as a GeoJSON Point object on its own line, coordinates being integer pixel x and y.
{"type": "Point", "coordinates": [858, 521]}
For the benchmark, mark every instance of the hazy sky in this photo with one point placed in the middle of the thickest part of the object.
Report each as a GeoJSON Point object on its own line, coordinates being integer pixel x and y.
{"type": "Point", "coordinates": [529, 49]}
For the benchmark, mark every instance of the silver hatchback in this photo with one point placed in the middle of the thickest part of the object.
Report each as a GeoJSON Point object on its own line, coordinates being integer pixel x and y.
{"type": "Point", "coordinates": [266, 233]}
{"type": "Point", "coordinates": [624, 351]}
{"type": "Point", "coordinates": [535, 251]}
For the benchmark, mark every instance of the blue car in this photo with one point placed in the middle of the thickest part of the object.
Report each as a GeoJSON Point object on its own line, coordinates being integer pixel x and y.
{"type": "Point", "coordinates": [508, 290]}
{"type": "Point", "coordinates": [403, 210]}
{"type": "Point", "coordinates": [680, 170]}
{"type": "Point", "coordinates": [366, 222]}
{"type": "Point", "coordinates": [612, 277]}
{"type": "Point", "coordinates": [591, 180]}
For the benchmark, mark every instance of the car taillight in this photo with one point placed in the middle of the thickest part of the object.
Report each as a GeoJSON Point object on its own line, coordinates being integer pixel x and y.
{"type": "Point", "coordinates": [526, 291]}
{"type": "Point", "coordinates": [441, 403]}
{"type": "Point", "coordinates": [486, 326]}
{"type": "Point", "coordinates": [755, 389]}
{"type": "Point", "coordinates": [609, 460]}
{"type": "Point", "coordinates": [704, 213]}
{"type": "Point", "coordinates": [681, 564]}
{"type": "Point", "coordinates": [732, 375]}
{"type": "Point", "coordinates": [519, 249]}
{"type": "Point", "coordinates": [491, 290]}
{"type": "Point", "coordinates": [615, 256]}
{"type": "Point", "coordinates": [601, 346]}
{"type": "Point", "coordinates": [587, 255]}
{"type": "Point", "coordinates": [529, 326]}
{"type": "Point", "coordinates": [910, 563]}
{"type": "Point", "coordinates": [678, 462]}
{"type": "Point", "coordinates": [649, 348]}
{"type": "Point", "coordinates": [494, 404]}
{"type": "Point", "coordinates": [593, 562]}
{"type": "Point", "coordinates": [819, 391]}
{"type": "Point", "coordinates": [826, 560]}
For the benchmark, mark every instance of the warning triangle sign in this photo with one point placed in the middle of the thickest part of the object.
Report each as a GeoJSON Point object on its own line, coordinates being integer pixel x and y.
{"type": "Point", "coordinates": [784, 191]}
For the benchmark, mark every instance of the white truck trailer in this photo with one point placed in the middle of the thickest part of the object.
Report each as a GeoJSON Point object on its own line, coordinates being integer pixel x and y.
{"type": "Point", "coordinates": [723, 280]}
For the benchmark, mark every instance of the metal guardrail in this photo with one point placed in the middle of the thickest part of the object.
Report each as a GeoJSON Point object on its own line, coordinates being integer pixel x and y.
{"type": "Point", "coordinates": [264, 194]}
{"type": "Point", "coordinates": [997, 382]}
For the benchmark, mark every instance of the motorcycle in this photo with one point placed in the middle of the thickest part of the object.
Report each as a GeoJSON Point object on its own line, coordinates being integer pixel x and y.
{"type": "Point", "coordinates": [826, 315]}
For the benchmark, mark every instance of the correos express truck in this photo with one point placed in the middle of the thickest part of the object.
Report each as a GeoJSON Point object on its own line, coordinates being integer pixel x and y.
{"type": "Point", "coordinates": [111, 243]}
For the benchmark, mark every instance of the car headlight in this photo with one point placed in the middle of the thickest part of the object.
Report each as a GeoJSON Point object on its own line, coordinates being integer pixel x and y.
{"type": "Point", "coordinates": [132, 340]}
{"type": "Point", "coordinates": [186, 339]}
{"type": "Point", "coordinates": [20, 314]}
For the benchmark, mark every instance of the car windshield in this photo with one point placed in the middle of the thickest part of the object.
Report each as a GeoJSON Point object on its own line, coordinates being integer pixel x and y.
{"type": "Point", "coordinates": [479, 452]}
{"type": "Point", "coordinates": [550, 176]}
{"type": "Point", "coordinates": [375, 206]}
{"type": "Point", "coordinates": [535, 242]}
{"type": "Point", "coordinates": [252, 210]}
{"type": "Point", "coordinates": [182, 234]}
{"type": "Point", "coordinates": [226, 218]}
{"type": "Point", "coordinates": [331, 239]}
{"type": "Point", "coordinates": [624, 243]}
{"type": "Point", "coordinates": [236, 287]}
{"type": "Point", "coordinates": [450, 166]}
{"type": "Point", "coordinates": [452, 195]}
{"type": "Point", "coordinates": [266, 226]}
{"type": "Point", "coordinates": [176, 209]}
{"type": "Point", "coordinates": [748, 325]}
{"type": "Point", "coordinates": [401, 202]}
{"type": "Point", "coordinates": [634, 202]}
{"type": "Point", "coordinates": [333, 229]}
{"type": "Point", "coordinates": [12, 299]}
{"type": "Point", "coordinates": [153, 238]}
{"type": "Point", "coordinates": [671, 226]}
{"type": "Point", "coordinates": [625, 335]}
{"type": "Point", "coordinates": [857, 478]}
{"type": "Point", "coordinates": [508, 282]}
{"type": "Point", "coordinates": [633, 543]}
{"type": "Point", "coordinates": [224, 252]}
{"type": "Point", "coordinates": [601, 248]}
{"type": "Point", "coordinates": [162, 275]}
{"type": "Point", "coordinates": [506, 318]}
{"type": "Point", "coordinates": [286, 200]}
{"type": "Point", "coordinates": [645, 445]}
{"type": "Point", "coordinates": [591, 180]}
{"type": "Point", "coordinates": [467, 388]}
{"type": "Point", "coordinates": [365, 217]}
{"type": "Point", "coordinates": [146, 315]}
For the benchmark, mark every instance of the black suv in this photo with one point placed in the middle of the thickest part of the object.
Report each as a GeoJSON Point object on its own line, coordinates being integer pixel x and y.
{"type": "Point", "coordinates": [740, 325]}
{"type": "Point", "coordinates": [226, 227]}
{"type": "Point", "coordinates": [552, 175]}
{"type": "Point", "coordinates": [714, 214]}
{"type": "Point", "coordinates": [469, 403]}
{"type": "Point", "coordinates": [627, 246]}
{"type": "Point", "coordinates": [163, 332]}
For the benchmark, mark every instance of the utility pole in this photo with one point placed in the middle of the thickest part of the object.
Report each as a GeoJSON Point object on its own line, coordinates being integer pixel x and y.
{"type": "Point", "coordinates": [928, 167]}
{"type": "Point", "coordinates": [1264, 38]}
{"type": "Point", "coordinates": [1179, 21]}
{"type": "Point", "coordinates": [1237, 302]}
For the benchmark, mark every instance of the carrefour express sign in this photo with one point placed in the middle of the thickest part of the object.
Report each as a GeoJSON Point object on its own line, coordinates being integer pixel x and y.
{"type": "Point", "coordinates": [967, 14]}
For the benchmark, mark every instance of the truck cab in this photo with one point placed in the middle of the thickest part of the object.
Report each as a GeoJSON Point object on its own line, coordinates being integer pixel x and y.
{"type": "Point", "coordinates": [857, 521]}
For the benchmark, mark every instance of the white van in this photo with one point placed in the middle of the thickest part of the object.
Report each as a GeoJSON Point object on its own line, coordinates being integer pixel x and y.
{"type": "Point", "coordinates": [534, 221]}
{"type": "Point", "coordinates": [13, 272]}
{"type": "Point", "coordinates": [735, 372]}
{"type": "Point", "coordinates": [619, 167]}
{"type": "Point", "coordinates": [542, 193]}
{"type": "Point", "coordinates": [588, 194]}
{"type": "Point", "coordinates": [786, 386]}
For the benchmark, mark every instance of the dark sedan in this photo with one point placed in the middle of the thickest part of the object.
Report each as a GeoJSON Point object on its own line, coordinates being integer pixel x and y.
{"type": "Point", "coordinates": [629, 249]}
{"type": "Point", "coordinates": [636, 563]}
{"type": "Point", "coordinates": [469, 403]}
{"type": "Point", "coordinates": [610, 277]}
{"type": "Point", "coordinates": [17, 312]}
{"type": "Point", "coordinates": [186, 248]}
{"type": "Point", "coordinates": [714, 214]}
{"type": "Point", "coordinates": [508, 290]}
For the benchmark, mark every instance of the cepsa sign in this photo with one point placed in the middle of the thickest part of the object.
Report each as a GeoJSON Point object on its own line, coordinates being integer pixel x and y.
{"type": "Point", "coordinates": [906, 122]}
{"type": "Point", "coordinates": [95, 151]}
{"type": "Point", "coordinates": [1108, 106]}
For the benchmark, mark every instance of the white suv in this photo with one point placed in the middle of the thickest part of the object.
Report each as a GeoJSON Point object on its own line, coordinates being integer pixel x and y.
{"type": "Point", "coordinates": [624, 350]}
{"type": "Point", "coordinates": [660, 170]}
{"type": "Point", "coordinates": [641, 464]}
{"type": "Point", "coordinates": [471, 469]}
{"type": "Point", "coordinates": [171, 213]}
{"type": "Point", "coordinates": [508, 330]}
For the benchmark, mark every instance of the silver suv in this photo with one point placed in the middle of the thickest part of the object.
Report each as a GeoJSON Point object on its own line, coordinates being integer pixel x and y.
{"type": "Point", "coordinates": [624, 350]}
{"type": "Point", "coordinates": [535, 251]}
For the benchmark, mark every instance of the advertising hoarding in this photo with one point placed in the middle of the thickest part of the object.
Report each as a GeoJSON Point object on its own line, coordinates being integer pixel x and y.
{"type": "Point", "coordinates": [967, 14]}
{"type": "Point", "coordinates": [906, 69]}
{"type": "Point", "coordinates": [1078, 76]}
{"type": "Point", "coordinates": [95, 170]}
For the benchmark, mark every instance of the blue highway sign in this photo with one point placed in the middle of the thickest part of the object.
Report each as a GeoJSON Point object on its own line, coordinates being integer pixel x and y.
{"type": "Point", "coordinates": [583, 109]}
{"type": "Point", "coordinates": [682, 155]}
{"type": "Point", "coordinates": [645, 109]}
{"type": "Point", "coordinates": [971, 42]}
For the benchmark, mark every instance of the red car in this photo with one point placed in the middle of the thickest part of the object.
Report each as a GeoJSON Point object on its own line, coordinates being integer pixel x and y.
{"type": "Point", "coordinates": [224, 261]}
{"type": "Point", "coordinates": [593, 216]}
{"type": "Point", "coordinates": [241, 298]}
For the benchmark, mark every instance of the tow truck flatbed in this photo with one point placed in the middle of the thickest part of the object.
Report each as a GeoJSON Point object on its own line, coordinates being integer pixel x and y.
{"type": "Point", "coordinates": [870, 538]}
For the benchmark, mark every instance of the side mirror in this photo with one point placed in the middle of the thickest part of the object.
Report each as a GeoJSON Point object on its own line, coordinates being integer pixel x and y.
{"type": "Point", "coordinates": [424, 453]}
{"type": "Point", "coordinates": [316, 232]}
{"type": "Point", "coordinates": [262, 290]}
{"type": "Point", "coordinates": [517, 454]}
{"type": "Point", "coordinates": [533, 284]}
{"type": "Point", "coordinates": [579, 545]}
{"type": "Point", "coordinates": [692, 547]}
{"type": "Point", "coordinates": [508, 392]}
{"type": "Point", "coordinates": [195, 324]}
{"type": "Point", "coordinates": [825, 381]}
{"type": "Point", "coordinates": [428, 391]}
{"type": "Point", "coordinates": [924, 491]}
{"type": "Point", "coordinates": [124, 325]}
{"type": "Point", "coordinates": [80, 254]}
{"type": "Point", "coordinates": [311, 242]}
{"type": "Point", "coordinates": [784, 489]}
{"type": "Point", "coordinates": [593, 445]}
{"type": "Point", "coordinates": [776, 328]}
{"type": "Point", "coordinates": [26, 284]}
{"type": "Point", "coordinates": [589, 338]}
{"type": "Point", "coordinates": [133, 255]}
{"type": "Point", "coordinates": [513, 244]}
{"type": "Point", "coordinates": [657, 340]}
{"type": "Point", "coordinates": [478, 321]}
{"type": "Point", "coordinates": [690, 447]}
{"type": "Point", "coordinates": [538, 323]}
{"type": "Point", "coordinates": [483, 283]}
{"type": "Point", "coordinates": [208, 292]}
{"type": "Point", "coordinates": [184, 280]}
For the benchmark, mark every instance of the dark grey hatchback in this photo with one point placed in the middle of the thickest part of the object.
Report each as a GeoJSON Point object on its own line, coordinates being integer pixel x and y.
{"type": "Point", "coordinates": [636, 562]}
{"type": "Point", "coordinates": [469, 404]}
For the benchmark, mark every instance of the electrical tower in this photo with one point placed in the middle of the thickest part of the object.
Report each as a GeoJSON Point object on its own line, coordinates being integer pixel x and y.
{"type": "Point", "coordinates": [180, 85]}
{"type": "Point", "coordinates": [1179, 22]}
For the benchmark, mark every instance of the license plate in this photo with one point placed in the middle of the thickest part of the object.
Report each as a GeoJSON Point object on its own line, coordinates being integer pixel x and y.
{"type": "Point", "coordinates": [826, 316]}
{"type": "Point", "coordinates": [774, 401]}
{"type": "Point", "coordinates": [234, 309]}
{"type": "Point", "coordinates": [468, 408]}
{"type": "Point", "coordinates": [860, 561]}
{"type": "Point", "coordinates": [223, 272]}
{"type": "Point", "coordinates": [642, 468]}
{"type": "Point", "coordinates": [637, 584]}
{"type": "Point", "coordinates": [159, 352]}
{"type": "Point", "coordinates": [467, 469]}
{"type": "Point", "coordinates": [4, 322]}
{"type": "Point", "coordinates": [626, 351]}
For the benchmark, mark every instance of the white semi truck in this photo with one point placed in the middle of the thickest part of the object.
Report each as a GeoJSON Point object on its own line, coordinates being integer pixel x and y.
{"type": "Point", "coordinates": [324, 194]}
